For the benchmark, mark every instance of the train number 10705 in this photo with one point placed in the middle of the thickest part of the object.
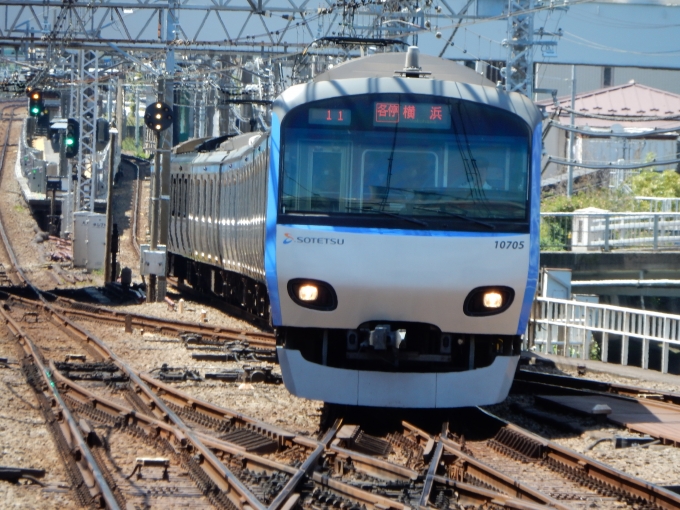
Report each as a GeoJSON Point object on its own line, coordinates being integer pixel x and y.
{"type": "Point", "coordinates": [509, 245]}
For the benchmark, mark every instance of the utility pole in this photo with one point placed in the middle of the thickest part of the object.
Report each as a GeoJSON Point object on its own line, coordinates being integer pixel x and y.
{"type": "Point", "coordinates": [570, 141]}
{"type": "Point", "coordinates": [111, 246]}
{"type": "Point", "coordinates": [519, 67]}
{"type": "Point", "coordinates": [152, 294]}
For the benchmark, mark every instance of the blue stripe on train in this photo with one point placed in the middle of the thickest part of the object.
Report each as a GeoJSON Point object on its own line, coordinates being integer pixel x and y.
{"type": "Point", "coordinates": [535, 225]}
{"type": "Point", "coordinates": [270, 224]}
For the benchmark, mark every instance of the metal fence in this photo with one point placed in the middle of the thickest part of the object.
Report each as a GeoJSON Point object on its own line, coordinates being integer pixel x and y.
{"type": "Point", "coordinates": [657, 204]}
{"type": "Point", "coordinates": [604, 231]}
{"type": "Point", "coordinates": [33, 166]}
{"type": "Point", "coordinates": [607, 333]}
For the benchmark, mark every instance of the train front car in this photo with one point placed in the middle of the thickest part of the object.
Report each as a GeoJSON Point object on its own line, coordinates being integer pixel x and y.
{"type": "Point", "coordinates": [402, 234]}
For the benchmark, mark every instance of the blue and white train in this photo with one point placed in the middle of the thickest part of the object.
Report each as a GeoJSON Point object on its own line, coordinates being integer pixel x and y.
{"type": "Point", "coordinates": [387, 225]}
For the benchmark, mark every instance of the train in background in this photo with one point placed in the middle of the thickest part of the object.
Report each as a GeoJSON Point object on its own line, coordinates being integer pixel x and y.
{"type": "Point", "coordinates": [386, 225]}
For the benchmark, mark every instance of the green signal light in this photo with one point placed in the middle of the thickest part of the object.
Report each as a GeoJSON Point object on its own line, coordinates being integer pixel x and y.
{"type": "Point", "coordinates": [35, 109]}
{"type": "Point", "coordinates": [69, 141]}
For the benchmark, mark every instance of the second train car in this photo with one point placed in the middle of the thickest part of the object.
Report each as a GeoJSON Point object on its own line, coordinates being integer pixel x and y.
{"type": "Point", "coordinates": [387, 226]}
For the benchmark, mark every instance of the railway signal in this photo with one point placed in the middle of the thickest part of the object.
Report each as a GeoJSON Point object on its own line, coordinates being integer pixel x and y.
{"type": "Point", "coordinates": [158, 116]}
{"type": "Point", "coordinates": [72, 138]}
{"type": "Point", "coordinates": [35, 103]}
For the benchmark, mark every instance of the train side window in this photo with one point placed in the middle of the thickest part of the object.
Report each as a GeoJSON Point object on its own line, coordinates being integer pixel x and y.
{"type": "Point", "coordinates": [203, 201]}
{"type": "Point", "coordinates": [185, 195]}
{"type": "Point", "coordinates": [212, 199]}
{"type": "Point", "coordinates": [179, 196]}
{"type": "Point", "coordinates": [173, 197]}
{"type": "Point", "coordinates": [195, 196]}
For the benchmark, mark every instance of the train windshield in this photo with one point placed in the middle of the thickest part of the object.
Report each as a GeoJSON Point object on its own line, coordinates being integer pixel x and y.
{"type": "Point", "coordinates": [404, 161]}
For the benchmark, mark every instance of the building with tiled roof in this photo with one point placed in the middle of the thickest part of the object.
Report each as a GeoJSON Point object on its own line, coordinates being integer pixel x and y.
{"type": "Point", "coordinates": [621, 125]}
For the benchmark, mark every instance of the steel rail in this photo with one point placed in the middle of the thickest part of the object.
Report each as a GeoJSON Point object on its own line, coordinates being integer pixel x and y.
{"type": "Point", "coordinates": [209, 462]}
{"type": "Point", "coordinates": [286, 497]}
{"type": "Point", "coordinates": [256, 339]}
{"type": "Point", "coordinates": [232, 310]}
{"type": "Point", "coordinates": [367, 498]}
{"type": "Point", "coordinates": [156, 426]}
{"type": "Point", "coordinates": [653, 401]}
{"type": "Point", "coordinates": [101, 314]}
{"type": "Point", "coordinates": [3, 234]}
{"type": "Point", "coordinates": [570, 461]}
{"type": "Point", "coordinates": [357, 458]}
{"type": "Point", "coordinates": [499, 480]}
{"type": "Point", "coordinates": [540, 379]}
{"type": "Point", "coordinates": [182, 399]}
{"type": "Point", "coordinates": [610, 477]}
{"type": "Point", "coordinates": [213, 467]}
{"type": "Point", "coordinates": [89, 463]}
{"type": "Point", "coordinates": [471, 494]}
{"type": "Point", "coordinates": [494, 478]}
{"type": "Point", "coordinates": [429, 479]}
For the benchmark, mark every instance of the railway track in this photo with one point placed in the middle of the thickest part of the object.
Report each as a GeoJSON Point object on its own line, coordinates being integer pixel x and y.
{"type": "Point", "coordinates": [8, 114]}
{"type": "Point", "coordinates": [215, 333]}
{"type": "Point", "coordinates": [648, 412]}
{"type": "Point", "coordinates": [129, 440]}
{"type": "Point", "coordinates": [232, 459]}
{"type": "Point", "coordinates": [532, 380]}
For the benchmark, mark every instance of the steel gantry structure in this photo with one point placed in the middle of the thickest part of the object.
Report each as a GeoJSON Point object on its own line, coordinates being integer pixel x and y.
{"type": "Point", "coordinates": [220, 60]}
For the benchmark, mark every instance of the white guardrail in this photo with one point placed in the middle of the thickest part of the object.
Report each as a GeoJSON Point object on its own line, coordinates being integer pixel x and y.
{"type": "Point", "coordinates": [586, 330]}
{"type": "Point", "coordinates": [604, 231]}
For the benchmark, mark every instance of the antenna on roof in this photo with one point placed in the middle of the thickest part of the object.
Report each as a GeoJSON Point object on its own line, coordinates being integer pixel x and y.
{"type": "Point", "coordinates": [411, 67]}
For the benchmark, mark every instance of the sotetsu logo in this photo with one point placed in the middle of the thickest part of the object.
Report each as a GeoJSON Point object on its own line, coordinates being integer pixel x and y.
{"type": "Point", "coordinates": [312, 240]}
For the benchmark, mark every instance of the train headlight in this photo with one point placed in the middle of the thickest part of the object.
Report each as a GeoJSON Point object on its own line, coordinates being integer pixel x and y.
{"type": "Point", "coordinates": [308, 292]}
{"type": "Point", "coordinates": [313, 294]}
{"type": "Point", "coordinates": [492, 299]}
{"type": "Point", "coordinates": [488, 301]}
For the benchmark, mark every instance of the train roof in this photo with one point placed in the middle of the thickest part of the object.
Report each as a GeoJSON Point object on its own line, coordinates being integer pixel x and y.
{"type": "Point", "coordinates": [386, 65]}
{"type": "Point", "coordinates": [396, 73]}
{"type": "Point", "coordinates": [224, 143]}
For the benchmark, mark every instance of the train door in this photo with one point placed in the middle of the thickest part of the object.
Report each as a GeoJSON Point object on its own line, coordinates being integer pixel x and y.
{"type": "Point", "coordinates": [215, 217]}
{"type": "Point", "coordinates": [194, 217]}
{"type": "Point", "coordinates": [172, 228]}
{"type": "Point", "coordinates": [183, 223]}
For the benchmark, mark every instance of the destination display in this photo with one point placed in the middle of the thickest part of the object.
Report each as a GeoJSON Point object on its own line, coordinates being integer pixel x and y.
{"type": "Point", "coordinates": [330, 116]}
{"type": "Point", "coordinates": [416, 115]}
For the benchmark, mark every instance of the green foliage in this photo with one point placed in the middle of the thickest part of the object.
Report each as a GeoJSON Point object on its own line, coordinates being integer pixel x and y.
{"type": "Point", "coordinates": [602, 198]}
{"type": "Point", "coordinates": [649, 183]}
{"type": "Point", "coordinates": [595, 351]}
{"type": "Point", "coordinates": [130, 148]}
{"type": "Point", "coordinates": [556, 231]}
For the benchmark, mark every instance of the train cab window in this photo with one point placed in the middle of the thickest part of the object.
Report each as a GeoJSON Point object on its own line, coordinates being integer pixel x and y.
{"type": "Point", "coordinates": [405, 161]}
{"type": "Point", "coordinates": [320, 184]}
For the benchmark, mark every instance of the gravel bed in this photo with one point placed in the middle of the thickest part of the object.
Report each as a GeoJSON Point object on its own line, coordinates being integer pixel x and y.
{"type": "Point", "coordinates": [272, 403]}
{"type": "Point", "coordinates": [659, 464]}
{"type": "Point", "coordinates": [24, 438]}
{"type": "Point", "coordinates": [193, 312]}
{"type": "Point", "coordinates": [25, 441]}
{"type": "Point", "coordinates": [607, 378]}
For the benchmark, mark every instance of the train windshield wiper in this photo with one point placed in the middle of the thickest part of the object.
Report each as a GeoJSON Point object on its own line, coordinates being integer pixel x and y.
{"type": "Point", "coordinates": [391, 215]}
{"type": "Point", "coordinates": [456, 215]}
